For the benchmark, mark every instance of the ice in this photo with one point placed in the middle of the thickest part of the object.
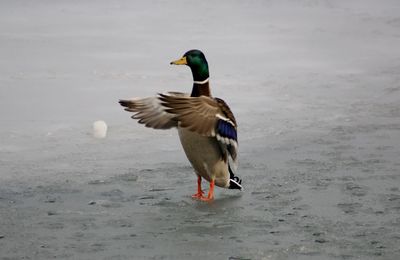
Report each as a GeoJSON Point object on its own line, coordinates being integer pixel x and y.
{"type": "Point", "coordinates": [315, 89]}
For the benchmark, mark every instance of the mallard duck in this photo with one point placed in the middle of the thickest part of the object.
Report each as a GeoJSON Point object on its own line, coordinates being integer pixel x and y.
{"type": "Point", "coordinates": [206, 126]}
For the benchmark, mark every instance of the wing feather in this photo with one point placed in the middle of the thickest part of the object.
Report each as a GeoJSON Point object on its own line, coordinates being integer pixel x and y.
{"type": "Point", "coordinates": [206, 116]}
{"type": "Point", "coordinates": [150, 112]}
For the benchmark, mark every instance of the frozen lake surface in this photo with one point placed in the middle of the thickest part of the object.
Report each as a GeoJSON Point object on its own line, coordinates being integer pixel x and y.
{"type": "Point", "coordinates": [314, 85]}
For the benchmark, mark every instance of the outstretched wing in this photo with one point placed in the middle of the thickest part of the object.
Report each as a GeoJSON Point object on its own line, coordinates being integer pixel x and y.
{"type": "Point", "coordinates": [206, 116]}
{"type": "Point", "coordinates": [150, 112]}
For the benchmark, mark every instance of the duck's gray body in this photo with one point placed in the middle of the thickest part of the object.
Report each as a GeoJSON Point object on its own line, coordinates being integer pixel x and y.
{"type": "Point", "coordinates": [204, 154]}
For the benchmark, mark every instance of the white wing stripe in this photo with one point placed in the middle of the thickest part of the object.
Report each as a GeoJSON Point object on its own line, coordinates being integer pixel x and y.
{"type": "Point", "coordinates": [225, 119]}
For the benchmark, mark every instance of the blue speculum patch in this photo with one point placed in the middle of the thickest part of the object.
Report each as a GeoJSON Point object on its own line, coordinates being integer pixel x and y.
{"type": "Point", "coordinates": [225, 129]}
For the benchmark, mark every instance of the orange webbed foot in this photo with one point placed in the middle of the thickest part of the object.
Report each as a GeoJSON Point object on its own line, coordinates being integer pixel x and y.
{"type": "Point", "coordinates": [198, 195]}
{"type": "Point", "coordinates": [207, 199]}
{"type": "Point", "coordinates": [210, 196]}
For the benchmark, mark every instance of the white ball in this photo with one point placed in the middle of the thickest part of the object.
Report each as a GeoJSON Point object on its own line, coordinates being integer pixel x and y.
{"type": "Point", "coordinates": [99, 129]}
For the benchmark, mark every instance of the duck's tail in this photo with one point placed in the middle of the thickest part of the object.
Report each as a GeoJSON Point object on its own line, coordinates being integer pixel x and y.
{"type": "Point", "coordinates": [234, 181]}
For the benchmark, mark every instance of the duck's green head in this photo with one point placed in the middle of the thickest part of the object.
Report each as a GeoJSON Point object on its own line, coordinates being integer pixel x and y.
{"type": "Point", "coordinates": [197, 62]}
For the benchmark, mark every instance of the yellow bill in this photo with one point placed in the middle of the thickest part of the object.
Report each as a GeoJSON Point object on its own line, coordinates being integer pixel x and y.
{"type": "Point", "coordinates": [181, 61]}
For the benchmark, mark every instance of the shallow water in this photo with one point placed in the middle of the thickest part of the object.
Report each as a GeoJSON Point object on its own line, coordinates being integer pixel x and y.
{"type": "Point", "coordinates": [314, 86]}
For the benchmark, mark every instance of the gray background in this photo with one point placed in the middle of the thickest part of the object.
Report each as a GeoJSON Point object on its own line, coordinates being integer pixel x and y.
{"type": "Point", "coordinates": [314, 85]}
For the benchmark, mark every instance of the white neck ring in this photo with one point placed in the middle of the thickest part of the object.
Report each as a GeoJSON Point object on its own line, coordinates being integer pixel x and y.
{"type": "Point", "coordinates": [201, 82]}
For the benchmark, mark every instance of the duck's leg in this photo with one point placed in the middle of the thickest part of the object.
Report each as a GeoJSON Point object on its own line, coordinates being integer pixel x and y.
{"type": "Point", "coordinates": [200, 192]}
{"type": "Point", "coordinates": [210, 195]}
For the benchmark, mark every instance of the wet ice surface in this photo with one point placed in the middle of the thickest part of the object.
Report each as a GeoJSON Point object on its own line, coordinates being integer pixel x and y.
{"type": "Point", "coordinates": [315, 87]}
